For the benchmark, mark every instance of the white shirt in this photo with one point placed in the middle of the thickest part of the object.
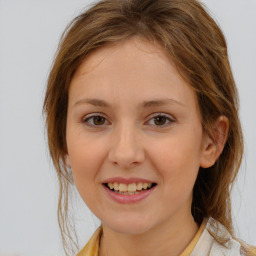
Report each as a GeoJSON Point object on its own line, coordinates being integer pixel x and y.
{"type": "Point", "coordinates": [208, 246]}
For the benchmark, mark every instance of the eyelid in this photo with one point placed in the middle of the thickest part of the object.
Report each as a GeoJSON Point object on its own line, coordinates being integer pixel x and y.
{"type": "Point", "coordinates": [162, 114]}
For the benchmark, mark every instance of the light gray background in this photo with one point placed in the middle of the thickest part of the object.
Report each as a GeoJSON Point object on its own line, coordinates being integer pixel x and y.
{"type": "Point", "coordinates": [29, 33]}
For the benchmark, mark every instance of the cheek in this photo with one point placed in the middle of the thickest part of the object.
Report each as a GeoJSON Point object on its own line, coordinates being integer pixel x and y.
{"type": "Point", "coordinates": [86, 157]}
{"type": "Point", "coordinates": [177, 160]}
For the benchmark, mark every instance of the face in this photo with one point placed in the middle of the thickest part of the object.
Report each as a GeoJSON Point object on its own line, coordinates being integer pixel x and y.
{"type": "Point", "coordinates": [134, 137]}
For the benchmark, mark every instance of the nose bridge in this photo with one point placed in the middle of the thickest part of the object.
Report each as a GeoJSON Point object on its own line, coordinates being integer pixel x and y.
{"type": "Point", "coordinates": [126, 149]}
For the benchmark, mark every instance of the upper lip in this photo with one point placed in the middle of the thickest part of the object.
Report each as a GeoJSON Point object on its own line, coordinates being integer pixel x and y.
{"type": "Point", "coordinates": [127, 181]}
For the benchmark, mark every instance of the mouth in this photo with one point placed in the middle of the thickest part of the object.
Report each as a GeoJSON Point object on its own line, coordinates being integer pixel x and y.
{"type": "Point", "coordinates": [129, 189]}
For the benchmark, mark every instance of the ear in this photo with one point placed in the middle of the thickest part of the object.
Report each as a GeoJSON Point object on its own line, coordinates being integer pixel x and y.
{"type": "Point", "coordinates": [213, 145]}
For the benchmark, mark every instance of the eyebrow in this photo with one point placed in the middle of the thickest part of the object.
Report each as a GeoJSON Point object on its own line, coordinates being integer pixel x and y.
{"type": "Point", "coordinates": [145, 104]}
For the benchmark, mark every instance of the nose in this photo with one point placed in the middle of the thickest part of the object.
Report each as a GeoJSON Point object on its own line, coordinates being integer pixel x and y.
{"type": "Point", "coordinates": [126, 149]}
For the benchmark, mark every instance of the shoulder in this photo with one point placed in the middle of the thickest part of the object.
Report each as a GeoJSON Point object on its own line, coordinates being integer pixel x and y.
{"type": "Point", "coordinates": [216, 241]}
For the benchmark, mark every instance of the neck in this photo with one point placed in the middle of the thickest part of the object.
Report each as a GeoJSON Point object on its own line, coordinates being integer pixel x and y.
{"type": "Point", "coordinates": [170, 238]}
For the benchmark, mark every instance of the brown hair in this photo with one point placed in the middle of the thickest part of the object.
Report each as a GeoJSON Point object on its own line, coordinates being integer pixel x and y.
{"type": "Point", "coordinates": [196, 45]}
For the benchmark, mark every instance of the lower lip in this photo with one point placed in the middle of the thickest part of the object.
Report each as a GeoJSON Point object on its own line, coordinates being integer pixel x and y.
{"type": "Point", "coordinates": [126, 199]}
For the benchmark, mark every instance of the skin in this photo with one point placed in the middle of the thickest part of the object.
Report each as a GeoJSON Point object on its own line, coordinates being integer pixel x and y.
{"type": "Point", "coordinates": [129, 142]}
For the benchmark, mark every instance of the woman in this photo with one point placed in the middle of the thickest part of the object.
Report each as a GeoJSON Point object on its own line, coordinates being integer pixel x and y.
{"type": "Point", "coordinates": [142, 107]}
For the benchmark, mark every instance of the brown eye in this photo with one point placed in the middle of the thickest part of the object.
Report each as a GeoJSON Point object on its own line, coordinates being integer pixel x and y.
{"type": "Point", "coordinates": [160, 120]}
{"type": "Point", "coordinates": [95, 121]}
{"type": "Point", "coordinates": [98, 120]}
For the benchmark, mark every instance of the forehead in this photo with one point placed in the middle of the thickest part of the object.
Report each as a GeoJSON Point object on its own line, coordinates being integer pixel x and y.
{"type": "Point", "coordinates": [128, 50]}
{"type": "Point", "coordinates": [127, 67]}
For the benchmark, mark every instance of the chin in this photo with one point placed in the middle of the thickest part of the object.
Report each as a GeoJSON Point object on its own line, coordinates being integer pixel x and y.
{"type": "Point", "coordinates": [129, 227]}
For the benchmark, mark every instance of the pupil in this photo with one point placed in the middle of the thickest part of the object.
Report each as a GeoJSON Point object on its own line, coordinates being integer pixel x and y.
{"type": "Point", "coordinates": [98, 120]}
{"type": "Point", "coordinates": [160, 120]}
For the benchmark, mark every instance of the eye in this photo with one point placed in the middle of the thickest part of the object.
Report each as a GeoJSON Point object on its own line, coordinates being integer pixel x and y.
{"type": "Point", "coordinates": [95, 120]}
{"type": "Point", "coordinates": [161, 120]}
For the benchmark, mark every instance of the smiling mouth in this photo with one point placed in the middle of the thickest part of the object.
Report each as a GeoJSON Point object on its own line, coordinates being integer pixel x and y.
{"type": "Point", "coordinates": [129, 189]}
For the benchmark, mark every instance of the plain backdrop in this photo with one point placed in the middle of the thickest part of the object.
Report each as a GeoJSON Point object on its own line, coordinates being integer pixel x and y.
{"type": "Point", "coordinates": [29, 34]}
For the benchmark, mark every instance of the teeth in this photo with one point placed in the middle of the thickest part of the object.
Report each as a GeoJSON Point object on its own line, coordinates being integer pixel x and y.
{"type": "Point", "coordinates": [130, 188]}
{"type": "Point", "coordinates": [139, 186]}
{"type": "Point", "coordinates": [145, 185]}
{"type": "Point", "coordinates": [111, 185]}
{"type": "Point", "coordinates": [122, 187]}
{"type": "Point", "coordinates": [116, 186]}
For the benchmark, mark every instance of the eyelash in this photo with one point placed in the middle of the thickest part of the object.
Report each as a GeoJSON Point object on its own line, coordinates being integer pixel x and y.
{"type": "Point", "coordinates": [168, 118]}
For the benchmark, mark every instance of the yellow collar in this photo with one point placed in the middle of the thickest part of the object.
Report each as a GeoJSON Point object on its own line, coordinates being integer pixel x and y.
{"type": "Point", "coordinates": [92, 246]}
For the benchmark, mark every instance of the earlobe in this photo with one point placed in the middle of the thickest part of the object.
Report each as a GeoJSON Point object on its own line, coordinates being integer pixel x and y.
{"type": "Point", "coordinates": [213, 144]}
